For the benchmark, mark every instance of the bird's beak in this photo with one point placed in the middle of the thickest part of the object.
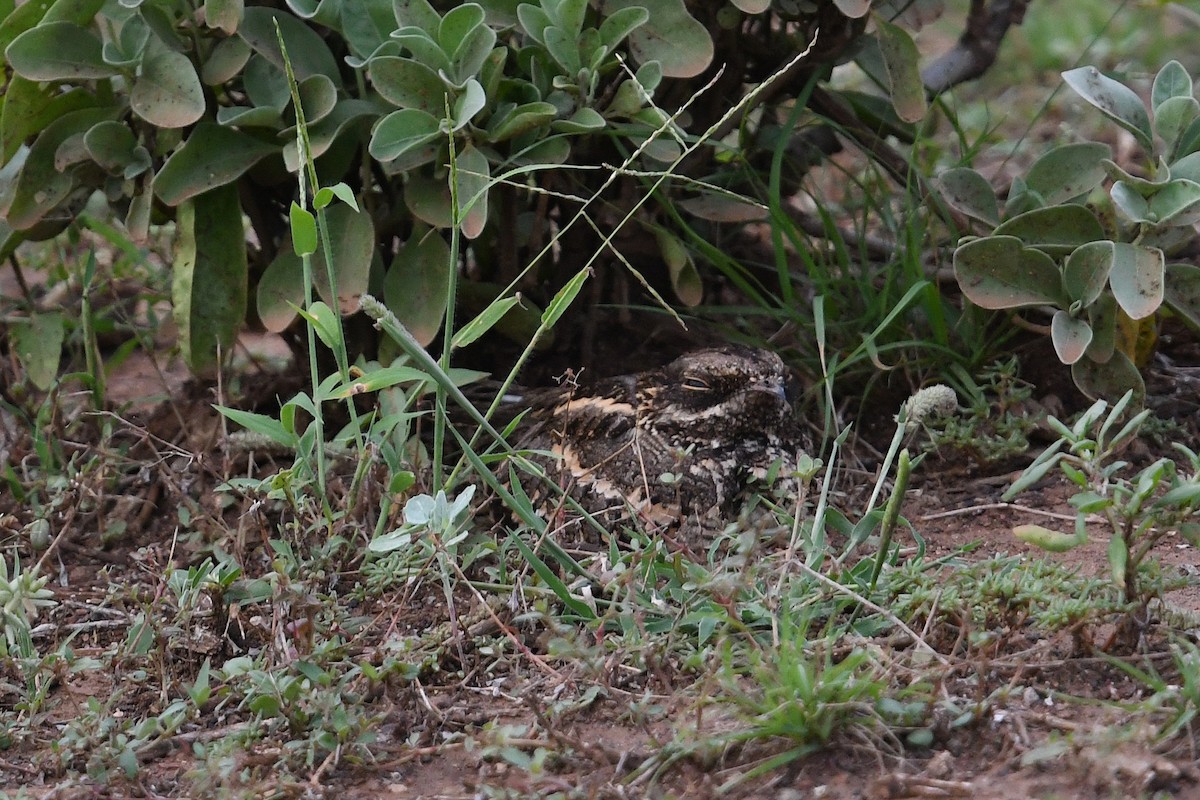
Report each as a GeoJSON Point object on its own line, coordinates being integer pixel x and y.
{"type": "Point", "coordinates": [776, 388]}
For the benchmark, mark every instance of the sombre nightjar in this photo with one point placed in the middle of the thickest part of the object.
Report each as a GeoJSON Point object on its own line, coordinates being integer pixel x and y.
{"type": "Point", "coordinates": [671, 446]}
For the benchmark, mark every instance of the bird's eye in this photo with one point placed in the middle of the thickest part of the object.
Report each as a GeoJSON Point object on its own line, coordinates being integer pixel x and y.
{"type": "Point", "coordinates": [696, 384]}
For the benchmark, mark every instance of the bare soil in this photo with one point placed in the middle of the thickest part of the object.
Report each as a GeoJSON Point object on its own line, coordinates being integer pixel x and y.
{"type": "Point", "coordinates": [1050, 721]}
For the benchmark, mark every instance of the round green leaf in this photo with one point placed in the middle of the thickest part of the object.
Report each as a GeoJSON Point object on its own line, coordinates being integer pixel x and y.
{"type": "Point", "coordinates": [428, 198]}
{"type": "Point", "coordinates": [1000, 272]}
{"type": "Point", "coordinates": [212, 156]}
{"type": "Point", "coordinates": [352, 244]}
{"type": "Point", "coordinates": [1172, 81]}
{"type": "Point", "coordinates": [1173, 118]}
{"type": "Point", "coordinates": [1068, 172]}
{"type": "Point", "coordinates": [1176, 203]}
{"type": "Point", "coordinates": [1187, 167]}
{"type": "Point", "coordinates": [969, 192]}
{"type": "Point", "coordinates": [1137, 278]}
{"type": "Point", "coordinates": [37, 342]}
{"type": "Point", "coordinates": [306, 49]}
{"type": "Point", "coordinates": [670, 36]}
{"type": "Point", "coordinates": [407, 83]}
{"type": "Point", "coordinates": [520, 119]}
{"type": "Point", "coordinates": [167, 92]}
{"type": "Point", "coordinates": [58, 51]}
{"type": "Point", "coordinates": [621, 23]}
{"type": "Point", "coordinates": [41, 186]}
{"type": "Point", "coordinates": [1066, 225]}
{"type": "Point", "coordinates": [29, 107]}
{"type": "Point", "coordinates": [1070, 336]}
{"type": "Point", "coordinates": [1102, 316]}
{"type": "Point", "coordinates": [1130, 202]}
{"type": "Point", "coordinates": [280, 291]}
{"type": "Point", "coordinates": [402, 131]}
{"type": "Point", "coordinates": [224, 15]}
{"type": "Point", "coordinates": [474, 178]}
{"type": "Point", "coordinates": [1115, 100]}
{"type": "Point", "coordinates": [1109, 380]}
{"type": "Point", "coordinates": [345, 117]}
{"type": "Point", "coordinates": [1085, 273]}
{"type": "Point", "coordinates": [113, 146]}
{"type": "Point", "coordinates": [416, 284]}
{"type": "Point", "coordinates": [685, 280]}
{"type": "Point", "coordinates": [900, 59]}
{"type": "Point", "coordinates": [584, 120]}
{"type": "Point", "coordinates": [225, 61]}
{"type": "Point", "coordinates": [469, 103]}
{"type": "Point", "coordinates": [1182, 292]}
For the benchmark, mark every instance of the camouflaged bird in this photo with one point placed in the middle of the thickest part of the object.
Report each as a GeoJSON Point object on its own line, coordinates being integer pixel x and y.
{"type": "Point", "coordinates": [670, 446]}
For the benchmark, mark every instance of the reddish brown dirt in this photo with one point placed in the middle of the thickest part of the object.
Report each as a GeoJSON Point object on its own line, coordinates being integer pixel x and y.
{"type": "Point", "coordinates": [1053, 734]}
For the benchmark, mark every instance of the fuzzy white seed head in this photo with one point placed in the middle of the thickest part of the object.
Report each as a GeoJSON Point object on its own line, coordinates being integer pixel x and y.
{"type": "Point", "coordinates": [938, 400]}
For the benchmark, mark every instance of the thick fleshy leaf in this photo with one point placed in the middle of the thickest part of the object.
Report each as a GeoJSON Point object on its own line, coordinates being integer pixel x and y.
{"type": "Point", "coordinates": [670, 36]}
{"type": "Point", "coordinates": [424, 48]}
{"type": "Point", "coordinates": [1130, 202]}
{"type": "Point", "coordinates": [469, 57]}
{"type": "Point", "coordinates": [402, 131]}
{"type": "Point", "coordinates": [853, 9]}
{"type": "Point", "coordinates": [167, 92]}
{"type": "Point", "coordinates": [1172, 120]}
{"type": "Point", "coordinates": [225, 15]}
{"type": "Point", "coordinates": [343, 119]}
{"type": "Point", "coordinates": [113, 146]}
{"type": "Point", "coordinates": [280, 291]}
{"type": "Point", "coordinates": [40, 185]}
{"type": "Point", "coordinates": [469, 103]}
{"type": "Point", "coordinates": [584, 120]}
{"type": "Point", "coordinates": [1137, 278]}
{"type": "Point", "coordinates": [37, 342]}
{"type": "Point", "coordinates": [1187, 167]}
{"type": "Point", "coordinates": [1102, 316]}
{"type": "Point", "coordinates": [1070, 336]}
{"type": "Point", "coordinates": [685, 279]}
{"type": "Point", "coordinates": [1115, 100]}
{"type": "Point", "coordinates": [969, 192]}
{"type": "Point", "coordinates": [318, 96]}
{"type": "Point", "coordinates": [306, 49]}
{"type": "Point", "coordinates": [900, 59]}
{"type": "Point", "coordinates": [212, 156]}
{"type": "Point", "coordinates": [1068, 172]}
{"type": "Point", "coordinates": [58, 51]}
{"type": "Point", "coordinates": [352, 243]}
{"type": "Point", "coordinates": [1066, 225]}
{"type": "Point", "coordinates": [1176, 203]}
{"type": "Point", "coordinates": [406, 83]}
{"type": "Point", "coordinates": [428, 198]}
{"type": "Point", "coordinates": [209, 287]}
{"type": "Point", "coordinates": [416, 284]}
{"type": "Point", "coordinates": [619, 24]}
{"type": "Point", "coordinates": [1110, 380]}
{"type": "Point", "coordinates": [1170, 82]}
{"type": "Point", "coordinates": [519, 120]}
{"type": "Point", "coordinates": [1000, 272]}
{"type": "Point", "coordinates": [1085, 273]}
{"type": "Point", "coordinates": [225, 61]}
{"type": "Point", "coordinates": [724, 208]}
{"type": "Point", "coordinates": [30, 106]}
{"type": "Point", "coordinates": [1182, 291]}
{"type": "Point", "coordinates": [474, 178]}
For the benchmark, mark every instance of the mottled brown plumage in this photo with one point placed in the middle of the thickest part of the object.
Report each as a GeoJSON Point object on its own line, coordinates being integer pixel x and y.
{"type": "Point", "coordinates": [673, 445]}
